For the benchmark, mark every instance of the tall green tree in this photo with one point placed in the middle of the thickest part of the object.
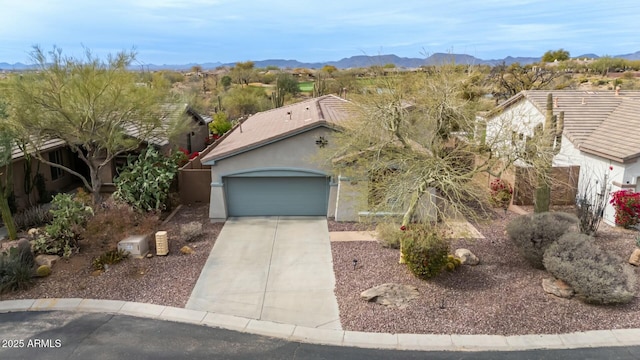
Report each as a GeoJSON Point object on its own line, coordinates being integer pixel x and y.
{"type": "Point", "coordinates": [93, 105]}
{"type": "Point", "coordinates": [243, 72]}
{"type": "Point", "coordinates": [553, 55]}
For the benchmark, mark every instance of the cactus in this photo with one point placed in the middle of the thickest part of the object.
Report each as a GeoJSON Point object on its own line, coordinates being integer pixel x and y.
{"type": "Point", "coordinates": [277, 97]}
{"type": "Point", "coordinates": [551, 140]}
{"type": "Point", "coordinates": [319, 87]}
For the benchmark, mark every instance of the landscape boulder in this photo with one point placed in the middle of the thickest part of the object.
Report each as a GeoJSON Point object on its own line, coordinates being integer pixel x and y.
{"type": "Point", "coordinates": [635, 258]}
{"type": "Point", "coordinates": [48, 260]}
{"type": "Point", "coordinates": [391, 294]}
{"type": "Point", "coordinates": [557, 287]}
{"type": "Point", "coordinates": [466, 257]}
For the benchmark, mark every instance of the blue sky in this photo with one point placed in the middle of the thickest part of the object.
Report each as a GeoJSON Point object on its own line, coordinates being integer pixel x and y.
{"type": "Point", "coordinates": [199, 31]}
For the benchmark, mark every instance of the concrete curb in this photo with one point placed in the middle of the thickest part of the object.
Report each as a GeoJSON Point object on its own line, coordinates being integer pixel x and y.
{"type": "Point", "coordinates": [421, 342]}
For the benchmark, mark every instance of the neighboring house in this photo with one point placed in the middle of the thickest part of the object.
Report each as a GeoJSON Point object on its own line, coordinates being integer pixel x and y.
{"type": "Point", "coordinates": [600, 134]}
{"type": "Point", "coordinates": [193, 140]}
{"type": "Point", "coordinates": [55, 179]}
{"type": "Point", "coordinates": [266, 166]}
{"type": "Point", "coordinates": [55, 150]}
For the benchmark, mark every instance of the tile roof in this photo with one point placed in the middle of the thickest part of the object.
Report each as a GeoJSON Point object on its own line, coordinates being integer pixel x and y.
{"type": "Point", "coordinates": [597, 122]}
{"type": "Point", "coordinates": [272, 125]}
{"type": "Point", "coordinates": [44, 146]}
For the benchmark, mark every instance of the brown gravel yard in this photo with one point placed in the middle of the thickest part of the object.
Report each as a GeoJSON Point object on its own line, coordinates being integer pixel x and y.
{"type": "Point", "coordinates": [163, 280]}
{"type": "Point", "coordinates": [501, 296]}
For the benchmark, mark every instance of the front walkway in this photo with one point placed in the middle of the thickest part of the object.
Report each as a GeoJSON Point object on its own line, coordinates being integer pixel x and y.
{"type": "Point", "coordinates": [277, 269]}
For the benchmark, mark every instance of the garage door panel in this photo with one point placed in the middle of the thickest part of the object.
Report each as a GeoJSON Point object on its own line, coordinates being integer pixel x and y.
{"type": "Point", "coordinates": [277, 196]}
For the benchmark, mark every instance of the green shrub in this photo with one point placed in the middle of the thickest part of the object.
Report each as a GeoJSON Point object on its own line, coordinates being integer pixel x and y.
{"type": "Point", "coordinates": [425, 251]}
{"type": "Point", "coordinates": [15, 272]}
{"type": "Point", "coordinates": [145, 182]}
{"type": "Point", "coordinates": [596, 275]}
{"type": "Point", "coordinates": [62, 234]}
{"type": "Point", "coordinates": [533, 233]}
{"type": "Point", "coordinates": [34, 216]}
{"type": "Point", "coordinates": [389, 234]}
{"type": "Point", "coordinates": [109, 258]}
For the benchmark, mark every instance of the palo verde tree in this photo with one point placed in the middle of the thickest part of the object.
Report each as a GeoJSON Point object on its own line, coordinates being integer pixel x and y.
{"type": "Point", "coordinates": [413, 141]}
{"type": "Point", "coordinates": [553, 55]}
{"type": "Point", "coordinates": [99, 108]}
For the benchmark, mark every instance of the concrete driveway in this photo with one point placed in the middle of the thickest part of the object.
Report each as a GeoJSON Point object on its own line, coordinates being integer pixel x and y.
{"type": "Point", "coordinates": [271, 268]}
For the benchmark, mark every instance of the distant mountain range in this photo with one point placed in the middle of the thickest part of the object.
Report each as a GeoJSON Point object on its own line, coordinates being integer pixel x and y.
{"type": "Point", "coordinates": [358, 61]}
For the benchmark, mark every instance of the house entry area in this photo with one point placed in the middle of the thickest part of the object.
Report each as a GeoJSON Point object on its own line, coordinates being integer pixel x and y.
{"type": "Point", "coordinates": [277, 195]}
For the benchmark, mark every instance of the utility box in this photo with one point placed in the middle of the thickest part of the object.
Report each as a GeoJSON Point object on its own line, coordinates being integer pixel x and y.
{"type": "Point", "coordinates": [136, 245]}
{"type": "Point", "coordinates": [162, 243]}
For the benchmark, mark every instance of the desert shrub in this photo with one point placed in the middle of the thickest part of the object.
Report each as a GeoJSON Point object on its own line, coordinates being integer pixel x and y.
{"type": "Point", "coordinates": [590, 204]}
{"type": "Point", "coordinates": [425, 251]}
{"type": "Point", "coordinates": [34, 216]}
{"type": "Point", "coordinates": [389, 234]}
{"type": "Point", "coordinates": [115, 221]}
{"type": "Point", "coordinates": [145, 182]}
{"type": "Point", "coordinates": [533, 234]}
{"type": "Point", "coordinates": [15, 272]}
{"type": "Point", "coordinates": [61, 235]}
{"type": "Point", "coordinates": [596, 275]}
{"type": "Point", "coordinates": [109, 258]}
{"type": "Point", "coordinates": [191, 231]}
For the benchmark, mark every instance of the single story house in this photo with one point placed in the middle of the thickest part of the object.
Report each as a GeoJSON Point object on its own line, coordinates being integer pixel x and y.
{"type": "Point", "coordinates": [57, 151]}
{"type": "Point", "coordinates": [600, 134]}
{"type": "Point", "coordinates": [265, 166]}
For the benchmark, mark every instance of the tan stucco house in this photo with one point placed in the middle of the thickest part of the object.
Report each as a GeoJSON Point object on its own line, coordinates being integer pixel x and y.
{"type": "Point", "coordinates": [266, 167]}
{"type": "Point", "coordinates": [600, 134]}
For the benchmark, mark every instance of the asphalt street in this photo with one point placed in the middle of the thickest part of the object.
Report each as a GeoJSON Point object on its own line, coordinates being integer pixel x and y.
{"type": "Point", "coordinates": [73, 335]}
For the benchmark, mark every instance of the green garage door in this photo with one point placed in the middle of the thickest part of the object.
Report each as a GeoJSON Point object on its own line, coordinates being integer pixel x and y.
{"type": "Point", "coordinates": [277, 196]}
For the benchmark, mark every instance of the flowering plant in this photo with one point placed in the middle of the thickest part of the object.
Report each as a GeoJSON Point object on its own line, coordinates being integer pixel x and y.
{"type": "Point", "coordinates": [500, 193]}
{"type": "Point", "coordinates": [627, 206]}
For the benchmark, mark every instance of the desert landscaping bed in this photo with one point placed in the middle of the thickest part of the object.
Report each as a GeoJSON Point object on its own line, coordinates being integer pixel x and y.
{"type": "Point", "coordinates": [163, 280]}
{"type": "Point", "coordinates": [502, 295]}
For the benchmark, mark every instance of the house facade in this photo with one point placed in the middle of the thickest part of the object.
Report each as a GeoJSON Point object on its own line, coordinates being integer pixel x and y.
{"type": "Point", "coordinates": [599, 135]}
{"type": "Point", "coordinates": [268, 165]}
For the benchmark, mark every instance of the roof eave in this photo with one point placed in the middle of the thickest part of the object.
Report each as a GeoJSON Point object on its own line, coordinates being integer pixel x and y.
{"type": "Point", "coordinates": [322, 123]}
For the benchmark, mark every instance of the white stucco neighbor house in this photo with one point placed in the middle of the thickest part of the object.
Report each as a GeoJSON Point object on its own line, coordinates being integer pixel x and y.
{"type": "Point", "coordinates": [266, 166]}
{"type": "Point", "coordinates": [601, 133]}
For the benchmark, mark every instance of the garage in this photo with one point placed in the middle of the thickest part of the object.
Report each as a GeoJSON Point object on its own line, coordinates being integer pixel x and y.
{"type": "Point", "coordinates": [277, 196]}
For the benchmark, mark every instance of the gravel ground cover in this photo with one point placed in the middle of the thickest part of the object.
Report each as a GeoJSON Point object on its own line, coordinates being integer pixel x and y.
{"type": "Point", "coordinates": [502, 296]}
{"type": "Point", "coordinates": [163, 280]}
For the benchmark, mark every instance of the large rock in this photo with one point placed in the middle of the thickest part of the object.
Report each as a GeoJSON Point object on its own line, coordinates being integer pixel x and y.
{"type": "Point", "coordinates": [466, 257]}
{"type": "Point", "coordinates": [635, 258]}
{"type": "Point", "coordinates": [391, 294]}
{"type": "Point", "coordinates": [557, 287]}
{"type": "Point", "coordinates": [48, 260]}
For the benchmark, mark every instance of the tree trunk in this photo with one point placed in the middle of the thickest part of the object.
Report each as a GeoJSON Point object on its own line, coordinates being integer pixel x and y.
{"type": "Point", "coordinates": [6, 216]}
{"type": "Point", "coordinates": [96, 185]}
{"type": "Point", "coordinates": [408, 215]}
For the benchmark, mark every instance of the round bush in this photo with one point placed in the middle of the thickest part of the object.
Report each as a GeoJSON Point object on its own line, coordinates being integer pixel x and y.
{"type": "Point", "coordinates": [534, 233]}
{"type": "Point", "coordinates": [425, 251]}
{"type": "Point", "coordinates": [596, 275]}
{"type": "Point", "coordinates": [389, 234]}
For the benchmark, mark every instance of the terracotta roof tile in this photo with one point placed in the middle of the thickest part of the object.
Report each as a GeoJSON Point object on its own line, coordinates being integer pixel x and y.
{"type": "Point", "coordinates": [597, 122]}
{"type": "Point", "coordinates": [268, 126]}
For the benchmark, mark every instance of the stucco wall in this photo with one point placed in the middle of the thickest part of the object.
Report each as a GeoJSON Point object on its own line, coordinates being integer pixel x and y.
{"type": "Point", "coordinates": [294, 153]}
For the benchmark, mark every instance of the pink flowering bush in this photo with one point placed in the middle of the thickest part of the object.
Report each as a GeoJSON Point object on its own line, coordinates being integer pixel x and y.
{"type": "Point", "coordinates": [501, 193]}
{"type": "Point", "coordinates": [627, 206]}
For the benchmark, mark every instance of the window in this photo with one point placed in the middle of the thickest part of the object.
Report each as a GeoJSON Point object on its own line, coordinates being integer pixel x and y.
{"type": "Point", "coordinates": [56, 158]}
